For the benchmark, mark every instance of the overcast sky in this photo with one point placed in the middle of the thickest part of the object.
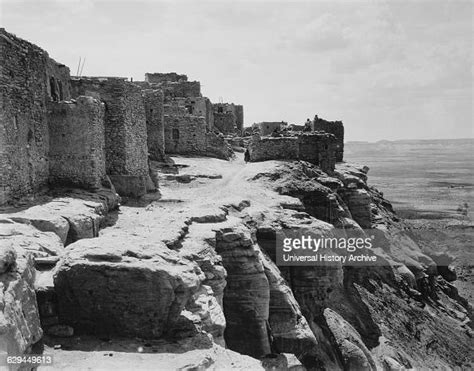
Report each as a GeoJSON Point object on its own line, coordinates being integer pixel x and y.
{"type": "Point", "coordinates": [388, 69]}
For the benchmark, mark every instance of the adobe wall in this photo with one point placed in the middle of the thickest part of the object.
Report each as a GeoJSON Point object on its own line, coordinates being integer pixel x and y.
{"type": "Point", "coordinates": [333, 127]}
{"type": "Point", "coordinates": [25, 90]}
{"type": "Point", "coordinates": [317, 148]}
{"type": "Point", "coordinates": [153, 100]}
{"type": "Point", "coordinates": [76, 156]}
{"type": "Point", "coordinates": [125, 123]}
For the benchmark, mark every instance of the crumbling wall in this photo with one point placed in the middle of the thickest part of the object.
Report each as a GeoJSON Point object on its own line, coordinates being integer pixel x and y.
{"type": "Point", "coordinates": [125, 123]}
{"type": "Point", "coordinates": [201, 106]}
{"type": "Point", "coordinates": [156, 78]}
{"type": "Point", "coordinates": [268, 127]}
{"type": "Point", "coordinates": [126, 149]}
{"type": "Point", "coordinates": [317, 148]}
{"type": "Point", "coordinates": [239, 117]}
{"type": "Point", "coordinates": [333, 127]}
{"type": "Point", "coordinates": [269, 148]}
{"type": "Point", "coordinates": [183, 89]}
{"type": "Point", "coordinates": [188, 135]}
{"type": "Point", "coordinates": [228, 118]}
{"type": "Point", "coordinates": [225, 122]}
{"type": "Point", "coordinates": [77, 143]}
{"type": "Point", "coordinates": [217, 146]}
{"type": "Point", "coordinates": [153, 100]}
{"type": "Point", "coordinates": [25, 89]}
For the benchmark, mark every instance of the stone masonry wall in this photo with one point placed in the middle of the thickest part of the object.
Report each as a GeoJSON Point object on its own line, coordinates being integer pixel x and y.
{"type": "Point", "coordinates": [320, 149]}
{"type": "Point", "coordinates": [201, 106]}
{"type": "Point", "coordinates": [333, 127]}
{"type": "Point", "coordinates": [77, 143]}
{"type": "Point", "coordinates": [153, 100]}
{"type": "Point", "coordinates": [188, 135]}
{"type": "Point", "coordinates": [25, 90]}
{"type": "Point", "coordinates": [267, 127]}
{"type": "Point", "coordinates": [225, 122]}
{"type": "Point", "coordinates": [181, 89]}
{"type": "Point", "coordinates": [185, 134]}
{"type": "Point", "coordinates": [156, 78]}
{"type": "Point", "coordinates": [228, 117]}
{"type": "Point", "coordinates": [125, 123]}
{"type": "Point", "coordinates": [269, 148]}
{"type": "Point", "coordinates": [239, 117]}
{"type": "Point", "coordinates": [317, 148]}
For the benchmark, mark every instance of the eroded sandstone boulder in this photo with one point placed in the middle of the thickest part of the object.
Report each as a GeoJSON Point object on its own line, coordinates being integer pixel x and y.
{"type": "Point", "coordinates": [28, 238]}
{"type": "Point", "coordinates": [247, 294]}
{"type": "Point", "coordinates": [289, 329]}
{"type": "Point", "coordinates": [124, 287]}
{"type": "Point", "coordinates": [19, 319]}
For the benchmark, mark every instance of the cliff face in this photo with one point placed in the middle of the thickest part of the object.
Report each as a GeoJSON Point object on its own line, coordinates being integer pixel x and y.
{"type": "Point", "coordinates": [380, 305]}
{"type": "Point", "coordinates": [197, 269]}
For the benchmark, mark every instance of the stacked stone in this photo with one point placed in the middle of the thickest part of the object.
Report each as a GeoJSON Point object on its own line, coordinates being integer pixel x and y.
{"type": "Point", "coordinates": [26, 82]}
{"type": "Point", "coordinates": [153, 100]}
{"type": "Point", "coordinates": [333, 127]}
{"type": "Point", "coordinates": [126, 146]}
{"type": "Point", "coordinates": [77, 160]}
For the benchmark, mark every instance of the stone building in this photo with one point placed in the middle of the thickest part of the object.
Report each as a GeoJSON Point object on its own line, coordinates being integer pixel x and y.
{"type": "Point", "coordinates": [188, 134]}
{"type": "Point", "coordinates": [29, 81]}
{"type": "Point", "coordinates": [126, 149]}
{"type": "Point", "coordinates": [268, 127]}
{"type": "Point", "coordinates": [77, 141]}
{"type": "Point", "coordinates": [160, 77]}
{"type": "Point", "coordinates": [153, 101]}
{"type": "Point", "coordinates": [333, 127]}
{"type": "Point", "coordinates": [318, 148]}
{"type": "Point", "coordinates": [228, 118]}
{"type": "Point", "coordinates": [188, 117]}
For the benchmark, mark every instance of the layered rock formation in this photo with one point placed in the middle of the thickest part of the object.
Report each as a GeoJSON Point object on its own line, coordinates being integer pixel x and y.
{"type": "Point", "coordinates": [200, 271]}
{"type": "Point", "coordinates": [20, 325]}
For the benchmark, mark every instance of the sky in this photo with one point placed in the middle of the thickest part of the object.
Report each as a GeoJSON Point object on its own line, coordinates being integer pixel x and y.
{"type": "Point", "coordinates": [388, 69]}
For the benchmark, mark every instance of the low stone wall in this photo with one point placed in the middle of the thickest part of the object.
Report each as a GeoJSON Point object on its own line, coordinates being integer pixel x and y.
{"type": "Point", "coordinates": [317, 148]}
{"type": "Point", "coordinates": [281, 148]}
{"type": "Point", "coordinates": [77, 143]}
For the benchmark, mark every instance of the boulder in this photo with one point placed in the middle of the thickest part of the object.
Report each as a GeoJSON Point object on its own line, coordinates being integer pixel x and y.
{"type": "Point", "coordinates": [124, 286]}
{"type": "Point", "coordinates": [7, 258]}
{"type": "Point", "coordinates": [28, 238]}
{"type": "Point", "coordinates": [19, 318]}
